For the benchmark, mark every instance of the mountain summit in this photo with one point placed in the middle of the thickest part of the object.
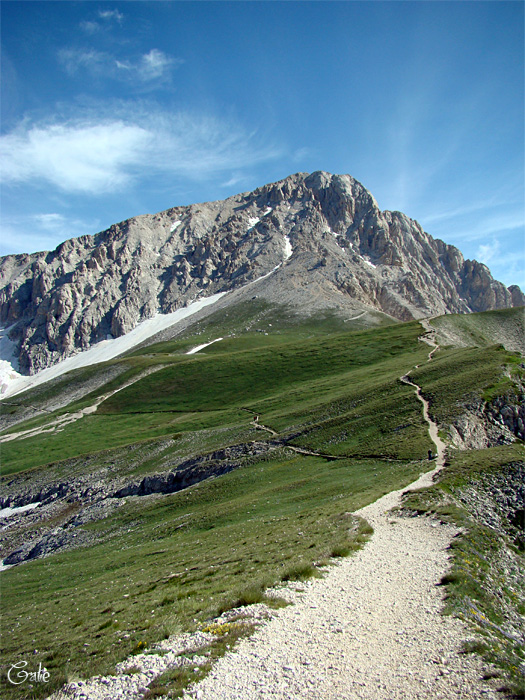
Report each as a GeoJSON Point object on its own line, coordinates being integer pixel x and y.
{"type": "Point", "coordinates": [312, 241]}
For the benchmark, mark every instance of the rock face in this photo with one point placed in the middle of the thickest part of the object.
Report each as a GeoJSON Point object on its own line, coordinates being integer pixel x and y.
{"type": "Point", "coordinates": [483, 425]}
{"type": "Point", "coordinates": [63, 508]}
{"type": "Point", "coordinates": [320, 239]}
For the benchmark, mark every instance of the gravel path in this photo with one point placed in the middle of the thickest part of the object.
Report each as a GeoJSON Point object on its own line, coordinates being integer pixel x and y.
{"type": "Point", "coordinates": [371, 629]}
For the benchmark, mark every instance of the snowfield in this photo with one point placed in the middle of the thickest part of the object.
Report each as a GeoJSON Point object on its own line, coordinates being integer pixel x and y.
{"type": "Point", "coordinates": [12, 383]}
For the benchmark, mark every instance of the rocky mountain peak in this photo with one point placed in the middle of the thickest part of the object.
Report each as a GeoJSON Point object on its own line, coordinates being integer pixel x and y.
{"type": "Point", "coordinates": [311, 241]}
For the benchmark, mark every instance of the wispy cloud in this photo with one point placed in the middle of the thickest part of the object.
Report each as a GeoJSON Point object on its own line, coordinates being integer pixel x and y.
{"type": "Point", "coordinates": [508, 196]}
{"type": "Point", "coordinates": [301, 153]}
{"type": "Point", "coordinates": [106, 17]}
{"type": "Point", "coordinates": [488, 251]}
{"type": "Point", "coordinates": [154, 66]}
{"type": "Point", "coordinates": [488, 227]}
{"type": "Point", "coordinates": [507, 267]}
{"type": "Point", "coordinates": [235, 179]}
{"type": "Point", "coordinates": [111, 14]}
{"type": "Point", "coordinates": [42, 231]}
{"type": "Point", "coordinates": [73, 60]}
{"type": "Point", "coordinates": [96, 155]}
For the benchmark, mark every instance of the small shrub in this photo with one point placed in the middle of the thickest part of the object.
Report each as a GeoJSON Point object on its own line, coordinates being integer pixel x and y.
{"type": "Point", "coordinates": [300, 572]}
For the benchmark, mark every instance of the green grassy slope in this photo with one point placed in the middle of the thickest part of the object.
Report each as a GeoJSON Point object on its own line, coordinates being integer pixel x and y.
{"type": "Point", "coordinates": [459, 376]}
{"type": "Point", "coordinates": [209, 390]}
{"type": "Point", "coordinates": [502, 327]}
{"type": "Point", "coordinates": [170, 562]}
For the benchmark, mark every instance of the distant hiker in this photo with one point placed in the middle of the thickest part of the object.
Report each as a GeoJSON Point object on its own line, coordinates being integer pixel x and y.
{"type": "Point", "coordinates": [256, 419]}
{"type": "Point", "coordinates": [430, 455]}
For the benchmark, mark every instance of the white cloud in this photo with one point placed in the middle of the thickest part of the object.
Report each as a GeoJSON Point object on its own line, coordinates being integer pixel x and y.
{"type": "Point", "coordinates": [111, 14]}
{"type": "Point", "coordinates": [41, 231]}
{"type": "Point", "coordinates": [152, 67]}
{"type": "Point", "coordinates": [82, 157]}
{"type": "Point", "coordinates": [98, 156]}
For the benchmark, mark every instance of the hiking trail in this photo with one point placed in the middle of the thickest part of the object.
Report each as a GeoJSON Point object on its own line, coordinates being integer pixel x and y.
{"type": "Point", "coordinates": [371, 629]}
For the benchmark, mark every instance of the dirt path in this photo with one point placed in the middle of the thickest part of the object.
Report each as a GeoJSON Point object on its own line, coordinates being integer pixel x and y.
{"type": "Point", "coordinates": [371, 629]}
{"type": "Point", "coordinates": [60, 423]}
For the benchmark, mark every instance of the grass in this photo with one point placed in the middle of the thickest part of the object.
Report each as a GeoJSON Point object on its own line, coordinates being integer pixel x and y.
{"type": "Point", "coordinates": [173, 682]}
{"type": "Point", "coordinates": [185, 558]}
{"type": "Point", "coordinates": [199, 393]}
{"type": "Point", "coordinates": [173, 562]}
{"type": "Point", "coordinates": [233, 375]}
{"type": "Point", "coordinates": [457, 377]}
{"type": "Point", "coordinates": [483, 329]}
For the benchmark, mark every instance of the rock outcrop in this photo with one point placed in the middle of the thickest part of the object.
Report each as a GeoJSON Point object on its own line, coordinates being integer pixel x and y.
{"type": "Point", "coordinates": [320, 239]}
{"type": "Point", "coordinates": [482, 424]}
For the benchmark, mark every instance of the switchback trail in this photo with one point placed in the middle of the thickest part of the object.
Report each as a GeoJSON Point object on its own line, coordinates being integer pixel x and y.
{"type": "Point", "coordinates": [372, 629]}
{"type": "Point", "coordinates": [58, 424]}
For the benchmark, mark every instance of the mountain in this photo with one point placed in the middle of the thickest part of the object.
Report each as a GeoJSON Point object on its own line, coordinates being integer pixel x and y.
{"type": "Point", "coordinates": [311, 241]}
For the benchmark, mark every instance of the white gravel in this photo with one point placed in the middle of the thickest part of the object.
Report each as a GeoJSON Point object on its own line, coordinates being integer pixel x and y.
{"type": "Point", "coordinates": [370, 629]}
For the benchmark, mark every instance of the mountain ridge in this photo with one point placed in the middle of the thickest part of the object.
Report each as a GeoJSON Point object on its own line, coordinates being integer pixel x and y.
{"type": "Point", "coordinates": [314, 241]}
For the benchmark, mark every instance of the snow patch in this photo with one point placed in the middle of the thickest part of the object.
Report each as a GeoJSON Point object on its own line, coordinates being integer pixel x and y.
{"type": "Point", "coordinates": [288, 250]}
{"type": "Point", "coordinates": [9, 363]}
{"type": "Point", "coordinates": [108, 349]}
{"type": "Point", "coordinates": [336, 236]}
{"type": "Point", "coordinates": [7, 376]}
{"type": "Point", "coordinates": [8, 347]}
{"type": "Point", "coordinates": [264, 276]}
{"type": "Point", "coordinates": [369, 263]}
{"type": "Point", "coordinates": [267, 211]}
{"type": "Point", "coordinates": [201, 347]}
{"type": "Point", "coordinates": [174, 225]}
{"type": "Point", "coordinates": [8, 512]}
{"type": "Point", "coordinates": [354, 318]}
{"type": "Point", "coordinates": [252, 221]}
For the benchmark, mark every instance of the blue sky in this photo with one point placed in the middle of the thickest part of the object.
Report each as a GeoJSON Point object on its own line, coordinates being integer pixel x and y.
{"type": "Point", "coordinates": [110, 110]}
